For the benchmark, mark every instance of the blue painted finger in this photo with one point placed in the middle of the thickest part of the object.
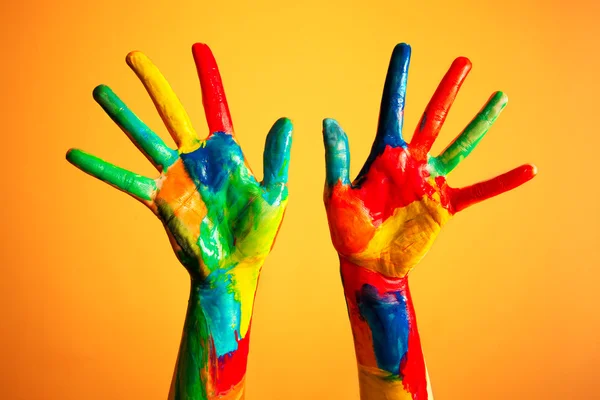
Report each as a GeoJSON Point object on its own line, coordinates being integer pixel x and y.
{"type": "Point", "coordinates": [337, 153]}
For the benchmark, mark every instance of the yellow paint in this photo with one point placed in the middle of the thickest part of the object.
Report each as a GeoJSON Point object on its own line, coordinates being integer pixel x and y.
{"type": "Point", "coordinates": [250, 254]}
{"type": "Point", "coordinates": [246, 280]}
{"type": "Point", "coordinates": [429, 390]}
{"type": "Point", "coordinates": [180, 193]}
{"type": "Point", "coordinates": [533, 232]}
{"type": "Point", "coordinates": [404, 238]}
{"type": "Point", "coordinates": [374, 385]}
{"type": "Point", "coordinates": [257, 243]}
{"type": "Point", "coordinates": [168, 105]}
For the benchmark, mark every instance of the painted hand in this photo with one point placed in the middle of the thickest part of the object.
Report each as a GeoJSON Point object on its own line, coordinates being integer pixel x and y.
{"type": "Point", "coordinates": [217, 215]}
{"type": "Point", "coordinates": [220, 220]}
{"type": "Point", "coordinates": [387, 219]}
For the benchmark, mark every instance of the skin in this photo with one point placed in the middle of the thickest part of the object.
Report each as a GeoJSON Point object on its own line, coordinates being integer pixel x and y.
{"type": "Point", "coordinates": [384, 222]}
{"type": "Point", "coordinates": [221, 221]}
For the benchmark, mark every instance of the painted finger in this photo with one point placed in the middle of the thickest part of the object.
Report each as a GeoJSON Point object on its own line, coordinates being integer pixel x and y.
{"type": "Point", "coordinates": [467, 196]}
{"type": "Point", "coordinates": [391, 114]}
{"type": "Point", "coordinates": [277, 153]}
{"type": "Point", "coordinates": [138, 132]}
{"type": "Point", "coordinates": [337, 153]}
{"type": "Point", "coordinates": [168, 105]}
{"type": "Point", "coordinates": [436, 111]}
{"type": "Point", "coordinates": [136, 185]}
{"type": "Point", "coordinates": [468, 139]}
{"type": "Point", "coordinates": [213, 94]}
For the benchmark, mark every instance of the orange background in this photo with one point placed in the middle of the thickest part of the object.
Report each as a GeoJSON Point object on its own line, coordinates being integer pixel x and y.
{"type": "Point", "coordinates": [92, 298]}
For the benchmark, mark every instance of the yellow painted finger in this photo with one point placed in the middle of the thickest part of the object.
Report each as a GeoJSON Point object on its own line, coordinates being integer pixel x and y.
{"type": "Point", "coordinates": [168, 105]}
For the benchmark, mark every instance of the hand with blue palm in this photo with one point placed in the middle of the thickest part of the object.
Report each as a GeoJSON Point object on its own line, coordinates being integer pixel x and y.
{"type": "Point", "coordinates": [220, 220]}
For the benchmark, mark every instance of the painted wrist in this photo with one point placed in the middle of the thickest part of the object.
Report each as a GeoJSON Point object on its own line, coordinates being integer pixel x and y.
{"type": "Point", "coordinates": [214, 348]}
{"type": "Point", "coordinates": [226, 300]}
{"type": "Point", "coordinates": [385, 267]}
{"type": "Point", "coordinates": [372, 300]}
{"type": "Point", "coordinates": [386, 339]}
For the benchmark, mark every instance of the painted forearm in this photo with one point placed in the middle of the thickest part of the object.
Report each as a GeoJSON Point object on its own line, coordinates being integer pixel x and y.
{"type": "Point", "coordinates": [214, 347]}
{"type": "Point", "coordinates": [386, 340]}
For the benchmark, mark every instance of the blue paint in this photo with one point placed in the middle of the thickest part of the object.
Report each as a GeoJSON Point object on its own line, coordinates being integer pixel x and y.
{"type": "Point", "coordinates": [387, 317]}
{"type": "Point", "coordinates": [423, 122]}
{"type": "Point", "coordinates": [221, 310]}
{"type": "Point", "coordinates": [211, 165]}
{"type": "Point", "coordinates": [391, 114]}
{"type": "Point", "coordinates": [221, 176]}
{"type": "Point", "coordinates": [337, 154]}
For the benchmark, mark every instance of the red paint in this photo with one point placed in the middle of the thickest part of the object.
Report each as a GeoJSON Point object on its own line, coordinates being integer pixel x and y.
{"type": "Point", "coordinates": [363, 339]}
{"type": "Point", "coordinates": [213, 94]}
{"type": "Point", "coordinates": [467, 196]}
{"type": "Point", "coordinates": [350, 225]}
{"type": "Point", "coordinates": [435, 114]}
{"type": "Point", "coordinates": [232, 367]}
{"type": "Point", "coordinates": [396, 179]}
{"type": "Point", "coordinates": [412, 367]}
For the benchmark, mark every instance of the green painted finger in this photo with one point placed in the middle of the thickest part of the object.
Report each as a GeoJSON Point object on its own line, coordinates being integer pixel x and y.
{"type": "Point", "coordinates": [277, 152]}
{"type": "Point", "coordinates": [140, 134]}
{"type": "Point", "coordinates": [134, 184]}
{"type": "Point", "coordinates": [468, 139]}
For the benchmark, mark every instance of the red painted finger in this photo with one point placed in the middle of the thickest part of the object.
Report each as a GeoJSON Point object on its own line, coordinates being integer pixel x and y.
{"type": "Point", "coordinates": [213, 94]}
{"type": "Point", "coordinates": [467, 196]}
{"type": "Point", "coordinates": [435, 114]}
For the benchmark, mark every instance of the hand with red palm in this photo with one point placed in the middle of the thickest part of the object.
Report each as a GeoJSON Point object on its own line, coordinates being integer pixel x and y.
{"type": "Point", "coordinates": [387, 219]}
{"type": "Point", "coordinates": [384, 222]}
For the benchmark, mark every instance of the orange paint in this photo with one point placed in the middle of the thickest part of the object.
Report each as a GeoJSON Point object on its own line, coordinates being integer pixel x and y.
{"type": "Point", "coordinates": [176, 192]}
{"type": "Point", "coordinates": [94, 306]}
{"type": "Point", "coordinates": [354, 230]}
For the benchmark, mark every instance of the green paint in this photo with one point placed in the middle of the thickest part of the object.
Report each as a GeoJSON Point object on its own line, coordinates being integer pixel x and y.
{"type": "Point", "coordinates": [127, 181]}
{"type": "Point", "coordinates": [215, 240]}
{"type": "Point", "coordinates": [193, 352]}
{"type": "Point", "coordinates": [236, 234]}
{"type": "Point", "coordinates": [466, 142]}
{"type": "Point", "coordinates": [242, 216]}
{"type": "Point", "coordinates": [139, 133]}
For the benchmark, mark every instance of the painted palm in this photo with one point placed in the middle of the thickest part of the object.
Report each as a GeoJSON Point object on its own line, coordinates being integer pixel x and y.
{"type": "Point", "coordinates": [387, 219]}
{"type": "Point", "coordinates": [384, 222]}
{"type": "Point", "coordinates": [221, 221]}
